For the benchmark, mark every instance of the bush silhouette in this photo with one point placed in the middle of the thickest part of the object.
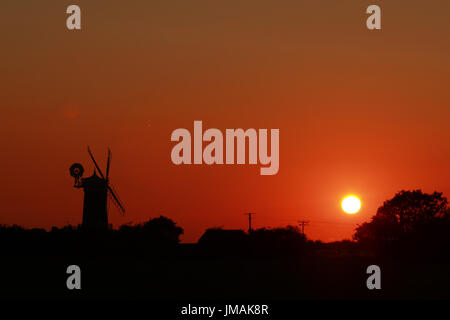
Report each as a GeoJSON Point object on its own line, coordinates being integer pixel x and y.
{"type": "Point", "coordinates": [160, 231]}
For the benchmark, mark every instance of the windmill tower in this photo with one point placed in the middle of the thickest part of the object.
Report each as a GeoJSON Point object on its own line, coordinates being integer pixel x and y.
{"type": "Point", "coordinates": [97, 190]}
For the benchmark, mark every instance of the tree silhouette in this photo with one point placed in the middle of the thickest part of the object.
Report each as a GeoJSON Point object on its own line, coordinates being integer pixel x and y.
{"type": "Point", "coordinates": [159, 230]}
{"type": "Point", "coordinates": [163, 229]}
{"type": "Point", "coordinates": [410, 208]}
{"type": "Point", "coordinates": [411, 218]}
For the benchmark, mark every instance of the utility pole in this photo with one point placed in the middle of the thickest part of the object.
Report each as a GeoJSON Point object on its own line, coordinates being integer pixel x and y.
{"type": "Point", "coordinates": [250, 221]}
{"type": "Point", "coordinates": [303, 224]}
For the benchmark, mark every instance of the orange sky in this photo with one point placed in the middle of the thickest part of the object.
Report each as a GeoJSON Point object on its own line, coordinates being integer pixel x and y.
{"type": "Point", "coordinates": [359, 111]}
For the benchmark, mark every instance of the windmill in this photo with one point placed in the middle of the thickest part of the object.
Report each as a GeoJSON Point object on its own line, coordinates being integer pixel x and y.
{"type": "Point", "coordinates": [97, 190]}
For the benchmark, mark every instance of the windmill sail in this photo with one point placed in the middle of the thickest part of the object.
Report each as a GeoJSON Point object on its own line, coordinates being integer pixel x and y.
{"type": "Point", "coordinates": [108, 165]}
{"type": "Point", "coordinates": [116, 200]}
{"type": "Point", "coordinates": [95, 163]}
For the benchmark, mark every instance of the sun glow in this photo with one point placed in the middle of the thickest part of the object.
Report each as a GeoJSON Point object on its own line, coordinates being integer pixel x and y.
{"type": "Point", "coordinates": [351, 204]}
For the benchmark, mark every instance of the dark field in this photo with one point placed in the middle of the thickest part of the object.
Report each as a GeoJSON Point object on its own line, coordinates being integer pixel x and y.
{"type": "Point", "coordinates": [320, 274]}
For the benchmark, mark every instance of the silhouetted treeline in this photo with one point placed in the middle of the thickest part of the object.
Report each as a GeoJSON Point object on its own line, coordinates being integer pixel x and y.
{"type": "Point", "coordinates": [412, 224]}
{"type": "Point", "coordinates": [264, 242]}
{"type": "Point", "coordinates": [156, 236]}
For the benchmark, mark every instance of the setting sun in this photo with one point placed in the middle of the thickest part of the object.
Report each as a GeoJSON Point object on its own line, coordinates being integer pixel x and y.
{"type": "Point", "coordinates": [351, 204]}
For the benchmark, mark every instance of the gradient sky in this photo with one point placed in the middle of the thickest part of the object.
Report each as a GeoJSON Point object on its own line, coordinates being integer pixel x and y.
{"type": "Point", "coordinates": [359, 111]}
